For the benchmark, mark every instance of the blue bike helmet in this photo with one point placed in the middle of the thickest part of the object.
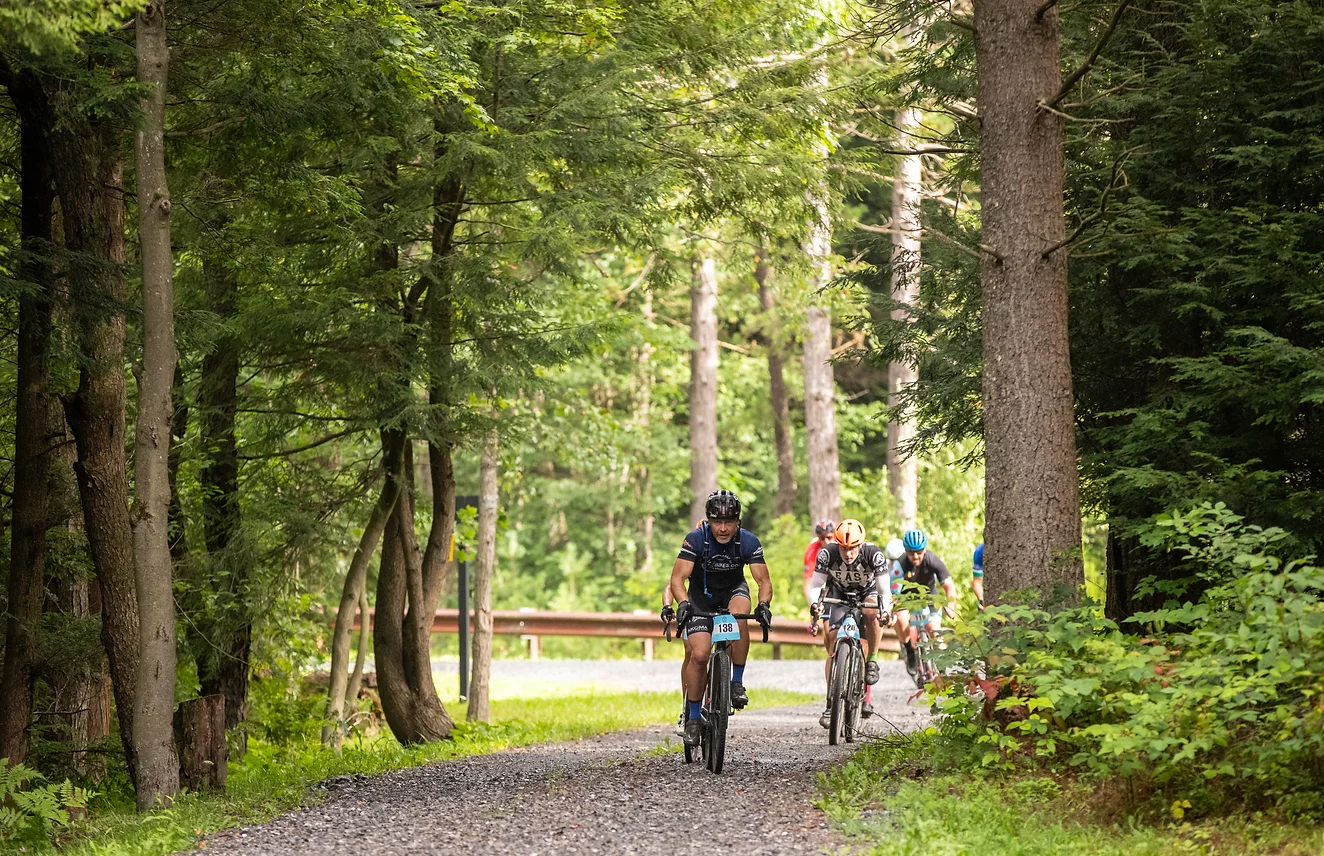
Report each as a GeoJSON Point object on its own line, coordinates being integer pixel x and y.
{"type": "Point", "coordinates": [915, 539]}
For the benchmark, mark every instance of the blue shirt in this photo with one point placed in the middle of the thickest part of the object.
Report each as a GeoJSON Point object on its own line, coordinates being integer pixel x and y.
{"type": "Point", "coordinates": [978, 570]}
{"type": "Point", "coordinates": [720, 567]}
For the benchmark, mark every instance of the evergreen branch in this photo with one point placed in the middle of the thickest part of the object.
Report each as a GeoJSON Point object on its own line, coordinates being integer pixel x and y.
{"type": "Point", "coordinates": [304, 448]}
{"type": "Point", "coordinates": [1076, 75]}
{"type": "Point", "coordinates": [1118, 180]}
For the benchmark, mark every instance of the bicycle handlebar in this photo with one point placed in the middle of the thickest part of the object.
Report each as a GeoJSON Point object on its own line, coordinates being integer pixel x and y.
{"type": "Point", "coordinates": [736, 615]}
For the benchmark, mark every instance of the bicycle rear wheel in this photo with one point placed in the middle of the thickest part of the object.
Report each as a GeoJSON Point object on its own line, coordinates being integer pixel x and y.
{"type": "Point", "coordinates": [836, 689]}
{"type": "Point", "coordinates": [719, 709]}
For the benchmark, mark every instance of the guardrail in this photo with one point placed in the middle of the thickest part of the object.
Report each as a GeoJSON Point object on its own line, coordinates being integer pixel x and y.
{"type": "Point", "coordinates": [645, 626]}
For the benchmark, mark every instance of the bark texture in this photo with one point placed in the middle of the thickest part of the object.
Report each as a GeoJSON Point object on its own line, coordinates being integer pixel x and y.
{"type": "Point", "coordinates": [154, 697]}
{"type": "Point", "coordinates": [89, 181]}
{"type": "Point", "coordinates": [902, 468]}
{"type": "Point", "coordinates": [223, 652]}
{"type": "Point", "coordinates": [355, 584]}
{"type": "Point", "coordinates": [400, 639]}
{"type": "Point", "coordinates": [1031, 481]}
{"type": "Point", "coordinates": [484, 568]}
{"type": "Point", "coordinates": [781, 405]}
{"type": "Point", "coordinates": [820, 384]}
{"type": "Point", "coordinates": [200, 734]}
{"type": "Point", "coordinates": [703, 385]}
{"type": "Point", "coordinates": [39, 428]}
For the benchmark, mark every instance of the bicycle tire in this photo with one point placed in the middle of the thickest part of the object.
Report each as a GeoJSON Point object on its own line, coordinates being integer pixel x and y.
{"type": "Point", "coordinates": [719, 695]}
{"type": "Point", "coordinates": [836, 685]}
{"type": "Point", "coordinates": [853, 693]}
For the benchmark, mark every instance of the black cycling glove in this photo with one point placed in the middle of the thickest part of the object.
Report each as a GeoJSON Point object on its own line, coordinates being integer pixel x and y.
{"type": "Point", "coordinates": [763, 613]}
{"type": "Point", "coordinates": [683, 613]}
{"type": "Point", "coordinates": [668, 614]}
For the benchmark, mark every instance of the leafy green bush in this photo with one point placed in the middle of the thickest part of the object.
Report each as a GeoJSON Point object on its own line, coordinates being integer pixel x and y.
{"type": "Point", "coordinates": [1221, 701]}
{"type": "Point", "coordinates": [30, 809]}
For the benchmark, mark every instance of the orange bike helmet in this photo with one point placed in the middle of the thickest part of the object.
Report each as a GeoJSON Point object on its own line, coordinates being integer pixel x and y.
{"type": "Point", "coordinates": [850, 533]}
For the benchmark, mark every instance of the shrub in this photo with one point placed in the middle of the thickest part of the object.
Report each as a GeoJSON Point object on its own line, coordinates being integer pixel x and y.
{"type": "Point", "coordinates": [1221, 698]}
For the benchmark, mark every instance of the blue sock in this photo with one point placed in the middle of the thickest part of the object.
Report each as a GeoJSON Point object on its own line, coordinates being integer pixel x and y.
{"type": "Point", "coordinates": [696, 708]}
{"type": "Point", "coordinates": [738, 673]}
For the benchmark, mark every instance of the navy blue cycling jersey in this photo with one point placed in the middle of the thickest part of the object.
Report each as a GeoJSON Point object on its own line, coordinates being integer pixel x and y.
{"type": "Point", "coordinates": [719, 568]}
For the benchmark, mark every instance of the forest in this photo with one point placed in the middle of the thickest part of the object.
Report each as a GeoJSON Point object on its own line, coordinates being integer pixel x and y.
{"type": "Point", "coordinates": [304, 301]}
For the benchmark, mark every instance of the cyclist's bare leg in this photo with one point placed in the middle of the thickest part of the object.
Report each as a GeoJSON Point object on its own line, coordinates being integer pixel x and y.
{"type": "Point", "coordinates": [740, 650]}
{"type": "Point", "coordinates": [829, 642]}
{"type": "Point", "coordinates": [694, 672]}
{"type": "Point", "coordinates": [873, 630]}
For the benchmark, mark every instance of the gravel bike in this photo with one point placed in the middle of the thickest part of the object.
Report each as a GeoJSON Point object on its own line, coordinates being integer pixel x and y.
{"type": "Point", "coordinates": [717, 695]}
{"type": "Point", "coordinates": [846, 682]}
{"type": "Point", "coordinates": [927, 640]}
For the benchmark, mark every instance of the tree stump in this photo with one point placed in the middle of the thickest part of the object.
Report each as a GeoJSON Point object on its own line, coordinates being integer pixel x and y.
{"type": "Point", "coordinates": [200, 738]}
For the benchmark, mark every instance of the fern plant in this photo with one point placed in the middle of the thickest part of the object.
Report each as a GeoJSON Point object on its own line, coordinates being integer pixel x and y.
{"type": "Point", "coordinates": [30, 808]}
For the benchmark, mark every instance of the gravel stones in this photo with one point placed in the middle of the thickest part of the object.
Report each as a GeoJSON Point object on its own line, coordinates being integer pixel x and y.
{"type": "Point", "coordinates": [621, 793]}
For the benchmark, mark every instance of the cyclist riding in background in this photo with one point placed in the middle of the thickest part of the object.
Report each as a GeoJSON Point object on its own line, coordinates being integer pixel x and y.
{"type": "Point", "coordinates": [823, 530]}
{"type": "Point", "coordinates": [921, 567]}
{"type": "Point", "coordinates": [977, 575]}
{"type": "Point", "coordinates": [851, 564]}
{"type": "Point", "coordinates": [709, 577]}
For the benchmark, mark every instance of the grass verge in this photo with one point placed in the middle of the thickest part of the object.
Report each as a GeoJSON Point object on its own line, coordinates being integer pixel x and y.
{"type": "Point", "coordinates": [273, 779]}
{"type": "Point", "coordinates": [899, 799]}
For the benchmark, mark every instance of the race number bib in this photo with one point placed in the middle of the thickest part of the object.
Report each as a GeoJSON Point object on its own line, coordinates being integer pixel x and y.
{"type": "Point", "coordinates": [725, 629]}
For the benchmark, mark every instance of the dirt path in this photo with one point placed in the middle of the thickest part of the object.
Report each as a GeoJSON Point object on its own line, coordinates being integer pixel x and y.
{"type": "Point", "coordinates": [618, 793]}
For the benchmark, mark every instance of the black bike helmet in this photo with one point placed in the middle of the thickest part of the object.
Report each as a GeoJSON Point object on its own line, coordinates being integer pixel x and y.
{"type": "Point", "coordinates": [824, 528]}
{"type": "Point", "coordinates": [722, 505]}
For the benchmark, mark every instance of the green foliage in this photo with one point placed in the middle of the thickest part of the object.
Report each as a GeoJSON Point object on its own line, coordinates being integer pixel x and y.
{"type": "Point", "coordinates": [915, 797]}
{"type": "Point", "coordinates": [31, 809]}
{"type": "Point", "coordinates": [1216, 703]}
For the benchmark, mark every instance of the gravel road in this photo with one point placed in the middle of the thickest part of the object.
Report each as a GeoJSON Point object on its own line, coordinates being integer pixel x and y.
{"type": "Point", "coordinates": [616, 793]}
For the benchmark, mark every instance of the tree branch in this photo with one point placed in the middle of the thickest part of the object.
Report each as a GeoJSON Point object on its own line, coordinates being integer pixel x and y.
{"type": "Point", "coordinates": [1117, 180]}
{"type": "Point", "coordinates": [1043, 10]}
{"type": "Point", "coordinates": [1076, 75]}
{"type": "Point", "coordinates": [305, 447]}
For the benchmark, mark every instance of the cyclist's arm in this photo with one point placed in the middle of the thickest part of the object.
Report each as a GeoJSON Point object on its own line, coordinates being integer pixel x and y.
{"type": "Point", "coordinates": [949, 588]}
{"type": "Point", "coordinates": [815, 586]}
{"type": "Point", "coordinates": [762, 578]}
{"type": "Point", "coordinates": [977, 586]}
{"type": "Point", "coordinates": [680, 577]}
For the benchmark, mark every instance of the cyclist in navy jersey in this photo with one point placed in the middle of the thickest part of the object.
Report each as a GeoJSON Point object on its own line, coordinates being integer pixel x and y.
{"type": "Point", "coordinates": [709, 577]}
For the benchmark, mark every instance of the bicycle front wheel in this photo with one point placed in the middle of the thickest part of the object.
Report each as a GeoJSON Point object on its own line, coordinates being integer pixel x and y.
{"type": "Point", "coordinates": [852, 690]}
{"type": "Point", "coordinates": [719, 709]}
{"type": "Point", "coordinates": [836, 691]}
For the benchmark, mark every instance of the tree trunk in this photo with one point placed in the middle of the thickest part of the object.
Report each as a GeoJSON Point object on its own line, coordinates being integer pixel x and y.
{"type": "Point", "coordinates": [199, 731]}
{"type": "Point", "coordinates": [37, 430]}
{"type": "Point", "coordinates": [360, 655]}
{"type": "Point", "coordinates": [88, 178]}
{"type": "Point", "coordinates": [644, 418]}
{"type": "Point", "coordinates": [154, 699]}
{"type": "Point", "coordinates": [404, 669]}
{"type": "Point", "coordinates": [484, 566]}
{"type": "Point", "coordinates": [230, 627]}
{"type": "Point", "coordinates": [703, 386]}
{"type": "Point", "coordinates": [1031, 482]}
{"type": "Point", "coordinates": [902, 467]}
{"type": "Point", "coordinates": [820, 385]}
{"type": "Point", "coordinates": [781, 406]}
{"type": "Point", "coordinates": [355, 584]}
